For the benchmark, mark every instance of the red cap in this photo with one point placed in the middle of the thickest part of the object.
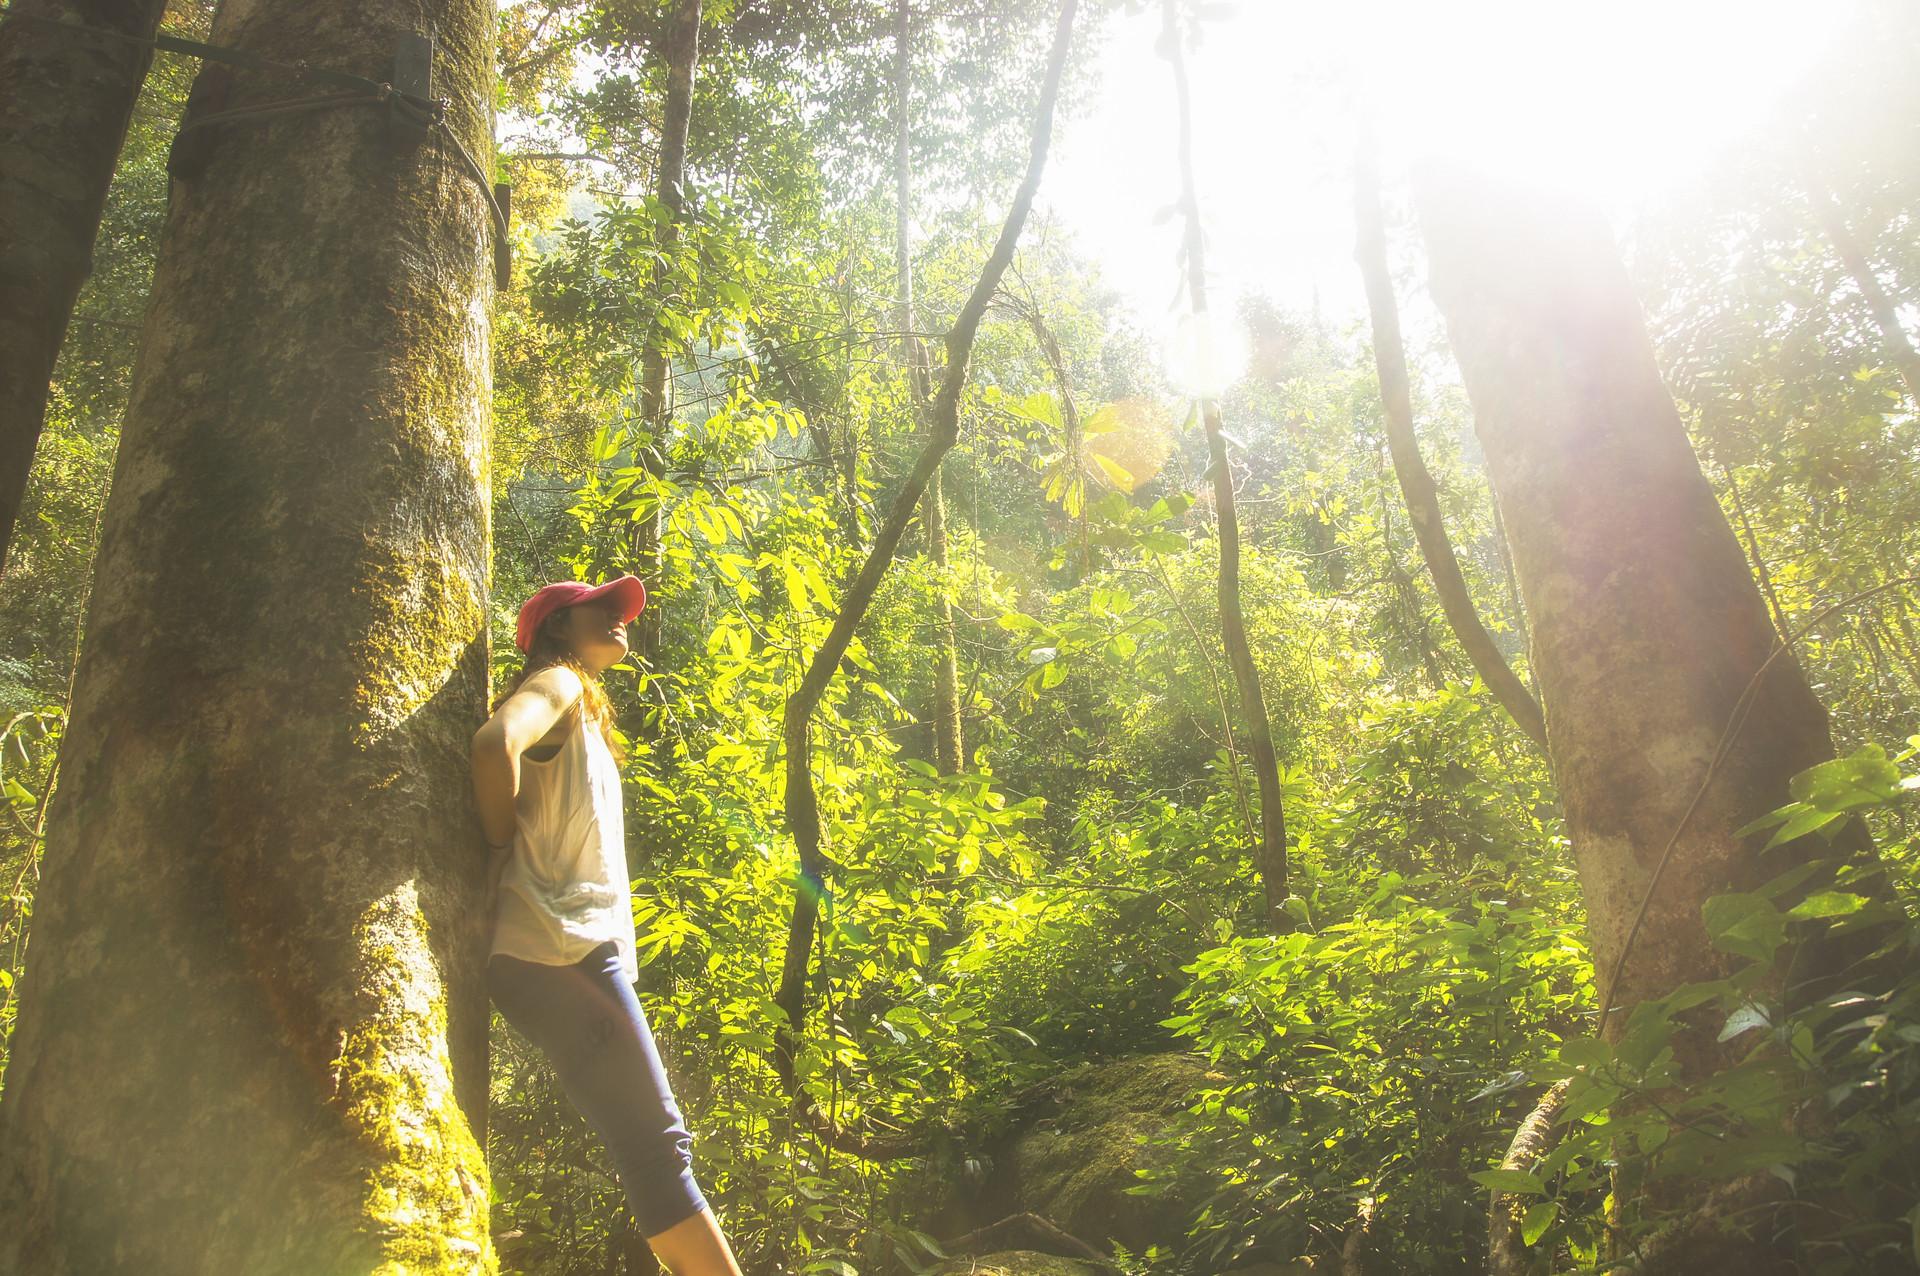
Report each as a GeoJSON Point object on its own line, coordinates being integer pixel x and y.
{"type": "Point", "coordinates": [627, 590]}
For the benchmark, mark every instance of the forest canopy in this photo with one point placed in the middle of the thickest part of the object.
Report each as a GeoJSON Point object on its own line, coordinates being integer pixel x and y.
{"type": "Point", "coordinates": [1280, 637]}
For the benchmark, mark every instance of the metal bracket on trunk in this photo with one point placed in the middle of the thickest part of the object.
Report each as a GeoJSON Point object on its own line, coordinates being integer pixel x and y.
{"type": "Point", "coordinates": [412, 78]}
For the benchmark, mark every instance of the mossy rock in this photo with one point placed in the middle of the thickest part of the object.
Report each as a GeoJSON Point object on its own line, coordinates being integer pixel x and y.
{"type": "Point", "coordinates": [1074, 1167]}
{"type": "Point", "coordinates": [1015, 1262]}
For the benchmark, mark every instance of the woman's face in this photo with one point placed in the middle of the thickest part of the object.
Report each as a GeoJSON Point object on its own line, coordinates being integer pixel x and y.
{"type": "Point", "coordinates": [595, 632]}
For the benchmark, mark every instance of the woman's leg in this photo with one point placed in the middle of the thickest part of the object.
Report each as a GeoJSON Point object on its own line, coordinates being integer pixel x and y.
{"type": "Point", "coordinates": [588, 1022]}
{"type": "Point", "coordinates": [695, 1247]}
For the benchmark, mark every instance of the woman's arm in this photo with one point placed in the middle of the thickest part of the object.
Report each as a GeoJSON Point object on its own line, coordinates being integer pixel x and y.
{"type": "Point", "coordinates": [526, 715]}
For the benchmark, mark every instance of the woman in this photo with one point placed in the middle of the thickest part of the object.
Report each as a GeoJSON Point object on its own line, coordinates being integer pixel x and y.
{"type": "Point", "coordinates": [562, 964]}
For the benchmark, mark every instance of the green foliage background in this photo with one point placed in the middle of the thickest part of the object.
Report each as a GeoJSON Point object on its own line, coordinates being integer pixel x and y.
{"type": "Point", "coordinates": [1083, 892]}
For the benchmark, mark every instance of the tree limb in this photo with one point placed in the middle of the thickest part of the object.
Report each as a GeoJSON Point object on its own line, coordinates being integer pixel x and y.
{"type": "Point", "coordinates": [802, 805]}
{"type": "Point", "coordinates": [1030, 1231]}
{"type": "Point", "coordinates": [1506, 1249]}
{"type": "Point", "coordinates": [1270, 852]}
{"type": "Point", "coordinates": [1416, 482]}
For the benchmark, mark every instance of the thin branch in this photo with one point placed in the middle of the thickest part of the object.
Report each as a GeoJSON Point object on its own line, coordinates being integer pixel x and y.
{"type": "Point", "coordinates": [802, 805]}
{"type": "Point", "coordinates": [1270, 851]}
{"type": "Point", "coordinates": [1416, 483]}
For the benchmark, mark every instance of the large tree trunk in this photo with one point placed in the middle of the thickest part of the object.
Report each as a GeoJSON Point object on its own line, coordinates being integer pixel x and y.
{"type": "Point", "coordinates": [254, 1027]}
{"type": "Point", "coordinates": [1270, 856]}
{"type": "Point", "coordinates": [1647, 626]}
{"type": "Point", "coordinates": [949, 750]}
{"type": "Point", "coordinates": [1648, 631]}
{"type": "Point", "coordinates": [65, 99]}
{"type": "Point", "coordinates": [681, 50]}
{"type": "Point", "coordinates": [1416, 482]}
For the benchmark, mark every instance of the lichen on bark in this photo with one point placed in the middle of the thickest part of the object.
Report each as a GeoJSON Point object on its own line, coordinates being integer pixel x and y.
{"type": "Point", "coordinates": [424, 614]}
{"type": "Point", "coordinates": [426, 1200]}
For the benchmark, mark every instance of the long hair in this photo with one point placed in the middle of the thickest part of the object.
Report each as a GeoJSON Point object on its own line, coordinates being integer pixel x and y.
{"type": "Point", "coordinates": [549, 648]}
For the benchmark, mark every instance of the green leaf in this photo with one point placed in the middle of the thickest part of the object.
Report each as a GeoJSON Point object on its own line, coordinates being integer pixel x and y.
{"type": "Point", "coordinates": [1863, 778]}
{"type": "Point", "coordinates": [927, 1243]}
{"type": "Point", "coordinates": [1163, 542]}
{"type": "Point", "coordinates": [796, 586]}
{"type": "Point", "coordinates": [1538, 1220]}
{"type": "Point", "coordinates": [1746, 925]}
{"type": "Point", "coordinates": [1041, 407]}
{"type": "Point", "coordinates": [1121, 477]}
{"type": "Point", "coordinates": [1516, 1181]}
{"type": "Point", "coordinates": [1745, 1019]}
{"type": "Point", "coordinates": [1827, 904]}
{"type": "Point", "coordinates": [1799, 824]}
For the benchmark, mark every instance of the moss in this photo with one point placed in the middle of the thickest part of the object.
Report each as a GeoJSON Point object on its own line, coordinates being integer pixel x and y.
{"type": "Point", "coordinates": [1151, 1084]}
{"type": "Point", "coordinates": [426, 1193]}
{"type": "Point", "coordinates": [1076, 1169]}
{"type": "Point", "coordinates": [424, 613]}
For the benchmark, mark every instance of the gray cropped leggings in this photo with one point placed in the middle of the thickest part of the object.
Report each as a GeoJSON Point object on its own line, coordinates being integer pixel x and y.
{"type": "Point", "coordinates": [587, 1021]}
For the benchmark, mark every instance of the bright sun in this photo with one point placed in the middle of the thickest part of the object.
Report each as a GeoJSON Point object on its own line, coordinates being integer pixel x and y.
{"type": "Point", "coordinates": [1623, 101]}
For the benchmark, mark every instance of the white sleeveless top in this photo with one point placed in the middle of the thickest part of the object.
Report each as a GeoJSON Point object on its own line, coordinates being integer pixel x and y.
{"type": "Point", "coordinates": [564, 891]}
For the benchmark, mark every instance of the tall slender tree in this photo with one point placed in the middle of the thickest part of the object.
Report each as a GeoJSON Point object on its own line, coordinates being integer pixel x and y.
{"type": "Point", "coordinates": [1853, 255]}
{"type": "Point", "coordinates": [949, 748]}
{"type": "Point", "coordinates": [801, 802]}
{"type": "Point", "coordinates": [70, 73]}
{"type": "Point", "coordinates": [1270, 856]}
{"type": "Point", "coordinates": [680, 53]}
{"type": "Point", "coordinates": [253, 1031]}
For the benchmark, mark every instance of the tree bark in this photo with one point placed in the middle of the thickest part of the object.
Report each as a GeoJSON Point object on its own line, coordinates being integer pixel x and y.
{"type": "Point", "coordinates": [1270, 856]}
{"type": "Point", "coordinates": [802, 806]}
{"type": "Point", "coordinates": [1416, 483]}
{"type": "Point", "coordinates": [681, 51]}
{"type": "Point", "coordinates": [66, 96]}
{"type": "Point", "coordinates": [253, 1034]}
{"type": "Point", "coordinates": [949, 749]}
{"type": "Point", "coordinates": [1647, 626]}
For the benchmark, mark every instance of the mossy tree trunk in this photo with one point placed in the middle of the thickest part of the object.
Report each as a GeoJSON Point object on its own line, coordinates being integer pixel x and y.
{"type": "Point", "coordinates": [254, 1028]}
{"type": "Point", "coordinates": [66, 97]}
{"type": "Point", "coordinates": [1647, 625]}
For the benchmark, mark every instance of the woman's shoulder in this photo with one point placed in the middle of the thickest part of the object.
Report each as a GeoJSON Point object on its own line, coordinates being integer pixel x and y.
{"type": "Point", "coordinates": [557, 683]}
